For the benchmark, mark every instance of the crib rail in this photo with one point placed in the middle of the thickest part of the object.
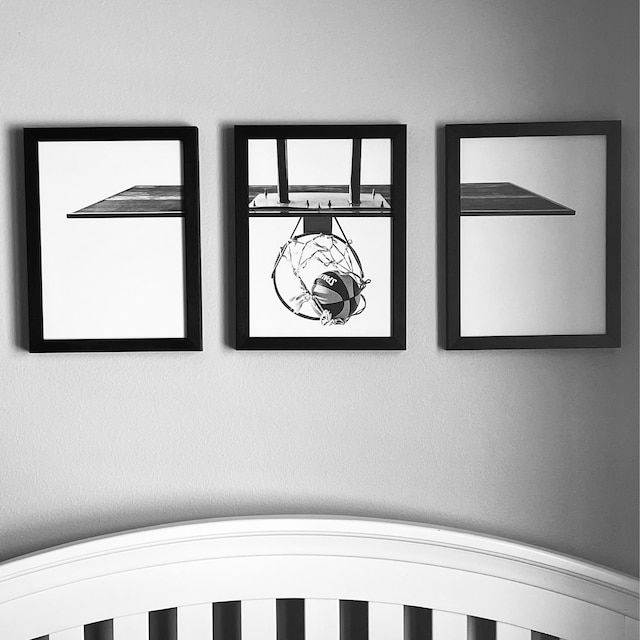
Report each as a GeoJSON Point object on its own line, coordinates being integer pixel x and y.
{"type": "Point", "coordinates": [309, 579]}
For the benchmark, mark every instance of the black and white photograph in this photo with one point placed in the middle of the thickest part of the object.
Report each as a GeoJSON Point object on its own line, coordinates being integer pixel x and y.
{"type": "Point", "coordinates": [113, 238]}
{"type": "Point", "coordinates": [324, 212]}
{"type": "Point", "coordinates": [319, 320]}
{"type": "Point", "coordinates": [533, 232]}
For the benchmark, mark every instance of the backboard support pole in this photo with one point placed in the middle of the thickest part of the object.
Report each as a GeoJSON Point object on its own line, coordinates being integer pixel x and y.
{"type": "Point", "coordinates": [283, 178]}
{"type": "Point", "coordinates": [356, 164]}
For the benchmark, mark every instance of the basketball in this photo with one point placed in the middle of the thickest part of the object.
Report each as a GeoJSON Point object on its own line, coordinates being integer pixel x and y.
{"type": "Point", "coordinates": [338, 294]}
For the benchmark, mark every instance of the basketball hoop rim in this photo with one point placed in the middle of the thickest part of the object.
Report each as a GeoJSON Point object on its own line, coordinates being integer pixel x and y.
{"type": "Point", "coordinates": [291, 239]}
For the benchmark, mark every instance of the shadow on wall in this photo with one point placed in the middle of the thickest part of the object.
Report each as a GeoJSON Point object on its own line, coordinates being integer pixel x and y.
{"type": "Point", "coordinates": [441, 236]}
{"type": "Point", "coordinates": [228, 234]}
{"type": "Point", "coordinates": [108, 520]}
{"type": "Point", "coordinates": [19, 239]}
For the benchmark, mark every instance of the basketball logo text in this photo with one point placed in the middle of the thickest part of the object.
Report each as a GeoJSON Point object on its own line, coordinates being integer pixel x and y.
{"type": "Point", "coordinates": [330, 280]}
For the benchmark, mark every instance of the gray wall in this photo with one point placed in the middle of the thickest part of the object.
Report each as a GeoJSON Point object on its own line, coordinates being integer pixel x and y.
{"type": "Point", "coordinates": [539, 446]}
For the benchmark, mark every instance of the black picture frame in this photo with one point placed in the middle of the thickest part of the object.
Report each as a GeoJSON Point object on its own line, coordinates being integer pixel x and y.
{"type": "Point", "coordinates": [454, 133]}
{"type": "Point", "coordinates": [190, 206]}
{"type": "Point", "coordinates": [396, 133]}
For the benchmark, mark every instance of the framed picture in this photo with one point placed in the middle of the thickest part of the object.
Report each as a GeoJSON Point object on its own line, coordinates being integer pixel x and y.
{"type": "Point", "coordinates": [113, 236]}
{"type": "Point", "coordinates": [320, 236]}
{"type": "Point", "coordinates": [533, 235]}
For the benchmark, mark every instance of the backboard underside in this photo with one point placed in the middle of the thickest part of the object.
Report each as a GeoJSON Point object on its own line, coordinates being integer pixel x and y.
{"type": "Point", "coordinates": [140, 201]}
{"type": "Point", "coordinates": [506, 199]}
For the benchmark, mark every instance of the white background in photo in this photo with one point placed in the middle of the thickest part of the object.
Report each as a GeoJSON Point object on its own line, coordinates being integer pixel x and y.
{"type": "Point", "coordinates": [269, 317]}
{"type": "Point", "coordinates": [109, 277]}
{"type": "Point", "coordinates": [313, 162]}
{"type": "Point", "coordinates": [535, 275]}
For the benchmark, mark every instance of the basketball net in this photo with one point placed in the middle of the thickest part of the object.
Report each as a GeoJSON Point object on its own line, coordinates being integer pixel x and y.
{"type": "Point", "coordinates": [309, 255]}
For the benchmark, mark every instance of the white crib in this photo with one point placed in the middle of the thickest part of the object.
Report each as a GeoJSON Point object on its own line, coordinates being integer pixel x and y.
{"type": "Point", "coordinates": [311, 578]}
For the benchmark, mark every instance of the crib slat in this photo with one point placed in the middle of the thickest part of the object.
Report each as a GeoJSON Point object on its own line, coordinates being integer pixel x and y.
{"type": "Point", "coordinates": [322, 619]}
{"type": "Point", "coordinates": [163, 624]}
{"type": "Point", "coordinates": [386, 621]}
{"type": "Point", "coordinates": [290, 619]}
{"type": "Point", "coordinates": [258, 620]}
{"type": "Point", "coordinates": [227, 620]}
{"type": "Point", "coordinates": [195, 622]}
{"type": "Point", "coordinates": [449, 626]}
{"type": "Point", "coordinates": [77, 633]}
{"type": "Point", "coordinates": [354, 620]}
{"type": "Point", "coordinates": [509, 632]}
{"type": "Point", "coordinates": [135, 627]}
{"type": "Point", "coordinates": [417, 623]}
{"type": "Point", "coordinates": [480, 629]}
{"type": "Point", "coordinates": [102, 630]}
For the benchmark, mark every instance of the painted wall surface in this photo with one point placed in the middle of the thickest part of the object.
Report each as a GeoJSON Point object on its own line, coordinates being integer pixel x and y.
{"type": "Point", "coordinates": [540, 446]}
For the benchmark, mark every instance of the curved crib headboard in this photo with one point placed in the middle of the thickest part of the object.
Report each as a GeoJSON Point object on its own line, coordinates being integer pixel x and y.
{"type": "Point", "coordinates": [310, 578]}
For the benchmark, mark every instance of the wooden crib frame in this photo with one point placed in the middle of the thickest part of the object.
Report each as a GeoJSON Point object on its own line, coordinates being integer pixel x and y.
{"type": "Point", "coordinates": [461, 576]}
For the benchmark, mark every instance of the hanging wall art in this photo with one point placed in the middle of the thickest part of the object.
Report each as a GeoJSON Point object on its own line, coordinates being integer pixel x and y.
{"type": "Point", "coordinates": [113, 238]}
{"type": "Point", "coordinates": [320, 236]}
{"type": "Point", "coordinates": [533, 235]}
